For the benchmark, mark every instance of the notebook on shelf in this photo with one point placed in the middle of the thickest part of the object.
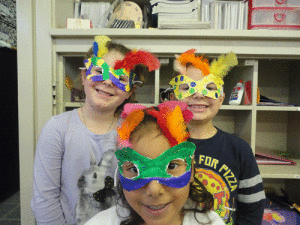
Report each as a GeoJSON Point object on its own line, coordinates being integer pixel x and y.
{"type": "Point", "coordinates": [269, 157]}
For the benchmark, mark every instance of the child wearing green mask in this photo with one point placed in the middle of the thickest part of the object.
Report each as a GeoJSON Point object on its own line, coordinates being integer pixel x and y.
{"type": "Point", "coordinates": [156, 175]}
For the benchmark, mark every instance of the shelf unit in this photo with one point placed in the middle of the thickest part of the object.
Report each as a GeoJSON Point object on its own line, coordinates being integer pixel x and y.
{"type": "Point", "coordinates": [273, 70]}
{"type": "Point", "coordinates": [45, 49]}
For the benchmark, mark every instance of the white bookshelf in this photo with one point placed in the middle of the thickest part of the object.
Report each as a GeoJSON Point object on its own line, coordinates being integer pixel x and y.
{"type": "Point", "coordinates": [250, 122]}
{"type": "Point", "coordinates": [46, 48]}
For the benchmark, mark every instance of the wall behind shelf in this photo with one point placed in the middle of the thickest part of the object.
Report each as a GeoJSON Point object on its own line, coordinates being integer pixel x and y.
{"type": "Point", "coordinates": [273, 79]}
{"type": "Point", "coordinates": [59, 19]}
{"type": "Point", "coordinates": [291, 186]}
{"type": "Point", "coordinates": [271, 132]}
{"type": "Point", "coordinates": [294, 82]}
{"type": "Point", "coordinates": [293, 134]}
{"type": "Point", "coordinates": [279, 130]}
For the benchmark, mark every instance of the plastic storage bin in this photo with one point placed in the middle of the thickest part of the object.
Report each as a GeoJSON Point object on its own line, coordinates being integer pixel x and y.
{"type": "Point", "coordinates": [274, 3]}
{"type": "Point", "coordinates": [274, 18]}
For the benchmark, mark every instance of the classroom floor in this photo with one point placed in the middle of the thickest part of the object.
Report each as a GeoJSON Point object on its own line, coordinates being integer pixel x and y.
{"type": "Point", "coordinates": [10, 210]}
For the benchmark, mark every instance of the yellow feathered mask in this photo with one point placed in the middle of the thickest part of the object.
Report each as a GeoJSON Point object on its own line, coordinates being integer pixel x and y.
{"type": "Point", "coordinates": [211, 83]}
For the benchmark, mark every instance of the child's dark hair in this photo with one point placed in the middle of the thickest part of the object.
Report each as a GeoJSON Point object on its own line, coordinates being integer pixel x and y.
{"type": "Point", "coordinates": [198, 192]}
{"type": "Point", "coordinates": [141, 71]}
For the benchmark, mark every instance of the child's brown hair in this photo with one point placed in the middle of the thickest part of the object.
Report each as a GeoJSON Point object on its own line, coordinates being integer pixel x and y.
{"type": "Point", "coordinates": [198, 193]}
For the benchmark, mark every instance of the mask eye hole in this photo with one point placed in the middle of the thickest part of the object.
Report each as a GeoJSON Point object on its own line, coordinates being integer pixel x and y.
{"type": "Point", "coordinates": [130, 170]}
{"type": "Point", "coordinates": [184, 87]}
{"type": "Point", "coordinates": [176, 167]}
{"type": "Point", "coordinates": [124, 79]}
{"type": "Point", "coordinates": [211, 87]}
{"type": "Point", "coordinates": [97, 70]}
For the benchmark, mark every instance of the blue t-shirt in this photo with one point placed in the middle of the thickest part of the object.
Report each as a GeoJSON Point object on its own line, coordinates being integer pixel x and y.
{"type": "Point", "coordinates": [226, 166]}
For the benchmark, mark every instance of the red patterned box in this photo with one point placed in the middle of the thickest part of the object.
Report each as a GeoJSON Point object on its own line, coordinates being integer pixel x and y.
{"type": "Point", "coordinates": [287, 18]}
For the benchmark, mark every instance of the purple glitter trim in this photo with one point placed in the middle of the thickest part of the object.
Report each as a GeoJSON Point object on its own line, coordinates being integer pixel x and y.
{"type": "Point", "coordinates": [174, 182]}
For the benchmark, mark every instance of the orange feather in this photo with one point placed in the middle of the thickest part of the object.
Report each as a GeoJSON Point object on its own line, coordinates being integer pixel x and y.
{"type": "Point", "coordinates": [129, 123]}
{"type": "Point", "coordinates": [198, 62]}
{"type": "Point", "coordinates": [176, 125]}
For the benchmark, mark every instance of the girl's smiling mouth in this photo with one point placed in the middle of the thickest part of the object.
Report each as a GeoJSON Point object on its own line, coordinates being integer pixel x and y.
{"type": "Point", "coordinates": [197, 106]}
{"type": "Point", "coordinates": [103, 92]}
{"type": "Point", "coordinates": [156, 209]}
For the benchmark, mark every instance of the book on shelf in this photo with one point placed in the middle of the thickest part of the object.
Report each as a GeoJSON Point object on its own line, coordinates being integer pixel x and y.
{"type": "Point", "coordinates": [231, 15]}
{"type": "Point", "coordinates": [264, 101]}
{"type": "Point", "coordinates": [274, 104]}
{"type": "Point", "coordinates": [181, 2]}
{"type": "Point", "coordinates": [269, 157]}
{"type": "Point", "coordinates": [96, 12]}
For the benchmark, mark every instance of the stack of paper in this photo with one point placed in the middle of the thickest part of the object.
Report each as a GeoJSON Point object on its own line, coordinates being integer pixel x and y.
{"type": "Point", "coordinates": [183, 14]}
{"type": "Point", "coordinates": [179, 24]}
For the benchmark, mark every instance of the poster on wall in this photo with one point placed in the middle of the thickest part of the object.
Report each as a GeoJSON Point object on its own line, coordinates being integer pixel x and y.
{"type": "Point", "coordinates": [8, 22]}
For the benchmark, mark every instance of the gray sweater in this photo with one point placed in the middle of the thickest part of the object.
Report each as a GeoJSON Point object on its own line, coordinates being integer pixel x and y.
{"type": "Point", "coordinates": [63, 152]}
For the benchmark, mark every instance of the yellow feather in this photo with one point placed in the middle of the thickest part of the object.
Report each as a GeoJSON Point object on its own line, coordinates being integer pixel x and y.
{"type": "Point", "coordinates": [101, 41]}
{"type": "Point", "coordinates": [224, 63]}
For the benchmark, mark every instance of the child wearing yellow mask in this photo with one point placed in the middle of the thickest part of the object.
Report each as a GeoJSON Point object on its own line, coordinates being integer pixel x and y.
{"type": "Point", "coordinates": [224, 163]}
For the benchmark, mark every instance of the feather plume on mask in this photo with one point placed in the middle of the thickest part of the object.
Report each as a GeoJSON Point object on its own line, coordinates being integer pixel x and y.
{"type": "Point", "coordinates": [223, 64]}
{"type": "Point", "coordinates": [134, 58]}
{"type": "Point", "coordinates": [196, 61]}
{"type": "Point", "coordinates": [99, 46]}
{"type": "Point", "coordinates": [172, 118]}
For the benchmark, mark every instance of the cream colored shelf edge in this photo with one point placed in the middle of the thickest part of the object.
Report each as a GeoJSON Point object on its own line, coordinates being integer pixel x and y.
{"type": "Point", "coordinates": [212, 33]}
{"type": "Point", "coordinates": [245, 43]}
{"type": "Point", "coordinates": [278, 108]}
{"type": "Point", "coordinates": [281, 171]}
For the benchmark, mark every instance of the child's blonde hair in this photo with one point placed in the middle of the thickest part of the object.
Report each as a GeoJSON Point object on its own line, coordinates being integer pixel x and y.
{"type": "Point", "coordinates": [140, 71]}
